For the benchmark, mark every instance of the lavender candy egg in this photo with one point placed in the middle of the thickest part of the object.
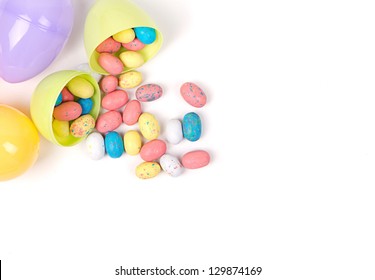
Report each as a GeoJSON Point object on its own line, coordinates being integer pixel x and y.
{"type": "Point", "coordinates": [149, 92]}
{"type": "Point", "coordinates": [95, 146]}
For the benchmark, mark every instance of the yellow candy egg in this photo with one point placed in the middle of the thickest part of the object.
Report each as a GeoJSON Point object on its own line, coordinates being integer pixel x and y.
{"type": "Point", "coordinates": [131, 59]}
{"type": "Point", "coordinates": [61, 128]}
{"type": "Point", "coordinates": [82, 126]}
{"type": "Point", "coordinates": [132, 142]}
{"type": "Point", "coordinates": [19, 143]}
{"type": "Point", "coordinates": [147, 170]}
{"type": "Point", "coordinates": [125, 36]}
{"type": "Point", "coordinates": [149, 126]}
{"type": "Point", "coordinates": [130, 79]}
{"type": "Point", "coordinates": [80, 87]}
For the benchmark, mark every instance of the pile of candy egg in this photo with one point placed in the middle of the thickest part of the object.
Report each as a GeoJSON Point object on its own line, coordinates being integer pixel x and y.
{"type": "Point", "coordinates": [120, 51]}
{"type": "Point", "coordinates": [118, 108]}
{"type": "Point", "coordinates": [71, 114]}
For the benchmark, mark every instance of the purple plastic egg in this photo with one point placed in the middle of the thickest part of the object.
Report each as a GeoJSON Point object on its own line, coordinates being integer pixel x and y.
{"type": "Point", "coordinates": [32, 34]}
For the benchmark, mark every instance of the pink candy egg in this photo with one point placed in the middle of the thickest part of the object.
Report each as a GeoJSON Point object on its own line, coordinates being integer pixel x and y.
{"type": "Point", "coordinates": [132, 112]}
{"type": "Point", "coordinates": [134, 45]}
{"type": "Point", "coordinates": [149, 92]}
{"type": "Point", "coordinates": [115, 100]}
{"type": "Point", "coordinates": [193, 95]}
{"type": "Point", "coordinates": [109, 83]}
{"type": "Point", "coordinates": [110, 63]}
{"type": "Point", "coordinates": [153, 150]}
{"type": "Point", "coordinates": [195, 159]}
{"type": "Point", "coordinates": [66, 95]}
{"type": "Point", "coordinates": [108, 46]}
{"type": "Point", "coordinates": [67, 111]}
{"type": "Point", "coordinates": [108, 121]}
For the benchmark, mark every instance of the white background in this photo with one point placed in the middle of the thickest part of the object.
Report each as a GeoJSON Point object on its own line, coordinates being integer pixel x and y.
{"type": "Point", "coordinates": [290, 126]}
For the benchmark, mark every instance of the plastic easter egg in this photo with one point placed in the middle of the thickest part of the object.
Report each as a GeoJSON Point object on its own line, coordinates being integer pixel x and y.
{"type": "Point", "coordinates": [32, 34]}
{"type": "Point", "coordinates": [19, 143]}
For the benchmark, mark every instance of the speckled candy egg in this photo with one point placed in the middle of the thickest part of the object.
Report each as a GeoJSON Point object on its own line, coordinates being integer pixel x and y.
{"type": "Point", "coordinates": [82, 126]}
{"type": "Point", "coordinates": [131, 113]}
{"type": "Point", "coordinates": [114, 144]}
{"type": "Point", "coordinates": [149, 126]}
{"type": "Point", "coordinates": [192, 126]}
{"type": "Point", "coordinates": [115, 100]}
{"type": "Point", "coordinates": [173, 131]}
{"type": "Point", "coordinates": [153, 150]}
{"type": "Point", "coordinates": [130, 79]}
{"type": "Point", "coordinates": [193, 95]}
{"type": "Point", "coordinates": [110, 63]}
{"type": "Point", "coordinates": [149, 92]}
{"type": "Point", "coordinates": [67, 111]}
{"type": "Point", "coordinates": [195, 159]}
{"type": "Point", "coordinates": [171, 165]}
{"type": "Point", "coordinates": [147, 170]}
{"type": "Point", "coordinates": [95, 146]}
{"type": "Point", "coordinates": [134, 45]}
{"type": "Point", "coordinates": [108, 121]}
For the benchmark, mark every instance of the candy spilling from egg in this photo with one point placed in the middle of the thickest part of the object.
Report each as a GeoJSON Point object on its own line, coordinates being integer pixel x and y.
{"type": "Point", "coordinates": [118, 108]}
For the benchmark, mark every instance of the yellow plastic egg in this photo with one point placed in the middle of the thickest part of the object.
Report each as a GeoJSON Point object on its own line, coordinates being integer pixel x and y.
{"type": "Point", "coordinates": [19, 143]}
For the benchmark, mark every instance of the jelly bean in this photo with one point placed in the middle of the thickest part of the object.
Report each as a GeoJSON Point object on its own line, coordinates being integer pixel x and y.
{"type": "Point", "coordinates": [130, 79]}
{"type": "Point", "coordinates": [131, 59]}
{"type": "Point", "coordinates": [171, 165]}
{"type": "Point", "coordinates": [149, 92]}
{"type": "Point", "coordinates": [125, 36]}
{"type": "Point", "coordinates": [173, 131]}
{"type": "Point", "coordinates": [131, 113]}
{"type": "Point", "coordinates": [146, 35]}
{"type": "Point", "coordinates": [149, 126]}
{"type": "Point", "coordinates": [134, 45]}
{"type": "Point", "coordinates": [115, 100]}
{"type": "Point", "coordinates": [80, 87]}
{"type": "Point", "coordinates": [66, 95]}
{"type": "Point", "coordinates": [153, 150]}
{"type": "Point", "coordinates": [195, 159]}
{"type": "Point", "coordinates": [86, 104]}
{"type": "Point", "coordinates": [95, 146]}
{"type": "Point", "coordinates": [108, 121]}
{"type": "Point", "coordinates": [192, 126]}
{"type": "Point", "coordinates": [109, 45]}
{"type": "Point", "coordinates": [61, 128]}
{"type": "Point", "coordinates": [113, 144]}
{"type": "Point", "coordinates": [132, 142]}
{"type": "Point", "coordinates": [193, 95]}
{"type": "Point", "coordinates": [82, 126]}
{"type": "Point", "coordinates": [109, 83]}
{"type": "Point", "coordinates": [110, 63]}
{"type": "Point", "coordinates": [67, 111]}
{"type": "Point", "coordinates": [147, 170]}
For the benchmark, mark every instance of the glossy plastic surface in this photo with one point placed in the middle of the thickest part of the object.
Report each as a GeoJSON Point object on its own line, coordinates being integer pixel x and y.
{"type": "Point", "coordinates": [108, 17]}
{"type": "Point", "coordinates": [32, 34]}
{"type": "Point", "coordinates": [19, 143]}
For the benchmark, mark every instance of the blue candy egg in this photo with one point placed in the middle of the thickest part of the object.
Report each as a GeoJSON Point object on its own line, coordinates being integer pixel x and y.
{"type": "Point", "coordinates": [146, 35]}
{"type": "Point", "coordinates": [86, 104]}
{"type": "Point", "coordinates": [59, 100]}
{"type": "Point", "coordinates": [114, 144]}
{"type": "Point", "coordinates": [192, 126]}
